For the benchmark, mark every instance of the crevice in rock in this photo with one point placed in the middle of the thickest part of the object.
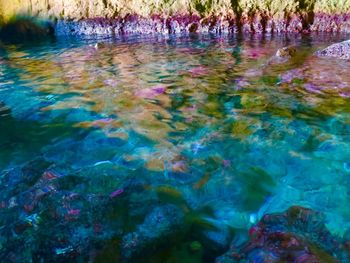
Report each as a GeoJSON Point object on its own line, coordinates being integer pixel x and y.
{"type": "Point", "coordinates": [305, 9]}
{"type": "Point", "coordinates": [193, 28]}
{"type": "Point", "coordinates": [105, 3]}
{"type": "Point", "coordinates": [238, 13]}
{"type": "Point", "coordinates": [263, 21]}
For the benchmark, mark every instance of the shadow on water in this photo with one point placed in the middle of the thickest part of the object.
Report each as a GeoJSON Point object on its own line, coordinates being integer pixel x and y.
{"type": "Point", "coordinates": [23, 28]}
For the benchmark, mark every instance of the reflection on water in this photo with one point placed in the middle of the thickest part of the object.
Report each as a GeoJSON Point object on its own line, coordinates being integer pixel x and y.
{"type": "Point", "coordinates": [209, 131]}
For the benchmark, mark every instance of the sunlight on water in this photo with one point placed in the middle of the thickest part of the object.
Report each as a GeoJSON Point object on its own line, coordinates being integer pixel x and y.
{"type": "Point", "coordinates": [98, 140]}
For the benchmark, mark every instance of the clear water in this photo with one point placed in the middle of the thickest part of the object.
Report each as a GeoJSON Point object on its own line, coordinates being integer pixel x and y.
{"type": "Point", "coordinates": [92, 140]}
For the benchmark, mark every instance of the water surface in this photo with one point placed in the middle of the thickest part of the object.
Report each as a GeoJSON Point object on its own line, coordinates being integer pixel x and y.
{"type": "Point", "coordinates": [95, 139]}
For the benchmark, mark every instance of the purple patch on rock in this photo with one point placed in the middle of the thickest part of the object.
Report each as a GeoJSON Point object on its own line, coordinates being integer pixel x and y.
{"type": "Point", "coordinates": [116, 193]}
{"type": "Point", "coordinates": [198, 71]}
{"type": "Point", "coordinates": [312, 88]}
{"type": "Point", "coordinates": [152, 92]}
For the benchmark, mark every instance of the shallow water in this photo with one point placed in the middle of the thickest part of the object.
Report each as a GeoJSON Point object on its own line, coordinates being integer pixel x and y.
{"type": "Point", "coordinates": [97, 140]}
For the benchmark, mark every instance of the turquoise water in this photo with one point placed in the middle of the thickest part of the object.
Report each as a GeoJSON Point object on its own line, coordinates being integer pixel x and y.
{"type": "Point", "coordinates": [95, 140]}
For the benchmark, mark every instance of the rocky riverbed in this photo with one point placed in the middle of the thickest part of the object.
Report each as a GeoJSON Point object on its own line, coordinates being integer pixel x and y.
{"type": "Point", "coordinates": [212, 139]}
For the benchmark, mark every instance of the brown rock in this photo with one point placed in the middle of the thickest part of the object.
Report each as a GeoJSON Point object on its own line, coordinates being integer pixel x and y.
{"type": "Point", "coordinates": [286, 52]}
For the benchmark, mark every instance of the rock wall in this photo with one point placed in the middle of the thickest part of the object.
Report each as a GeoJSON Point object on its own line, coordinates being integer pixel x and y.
{"type": "Point", "coordinates": [187, 15]}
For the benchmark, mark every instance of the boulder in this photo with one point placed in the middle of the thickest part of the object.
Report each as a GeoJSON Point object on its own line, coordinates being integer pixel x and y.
{"type": "Point", "coordinates": [156, 232]}
{"type": "Point", "coordinates": [297, 235]}
{"type": "Point", "coordinates": [338, 50]}
{"type": "Point", "coordinates": [283, 55]}
{"type": "Point", "coordinates": [286, 52]}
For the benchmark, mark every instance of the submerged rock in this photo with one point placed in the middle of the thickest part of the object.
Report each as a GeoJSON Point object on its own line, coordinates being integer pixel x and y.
{"type": "Point", "coordinates": [339, 50]}
{"type": "Point", "coordinates": [160, 224]}
{"type": "Point", "coordinates": [216, 241]}
{"type": "Point", "coordinates": [297, 235]}
{"type": "Point", "coordinates": [286, 52]}
{"type": "Point", "coordinates": [283, 55]}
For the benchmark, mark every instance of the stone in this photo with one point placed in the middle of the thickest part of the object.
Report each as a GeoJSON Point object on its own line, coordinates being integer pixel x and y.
{"type": "Point", "coordinates": [160, 224]}
{"type": "Point", "coordinates": [338, 50]}
{"type": "Point", "coordinates": [218, 239]}
{"type": "Point", "coordinates": [296, 235]}
{"type": "Point", "coordinates": [286, 52]}
{"type": "Point", "coordinates": [283, 55]}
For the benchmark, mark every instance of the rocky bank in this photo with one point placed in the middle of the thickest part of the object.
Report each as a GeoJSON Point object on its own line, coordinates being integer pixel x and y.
{"type": "Point", "coordinates": [114, 17]}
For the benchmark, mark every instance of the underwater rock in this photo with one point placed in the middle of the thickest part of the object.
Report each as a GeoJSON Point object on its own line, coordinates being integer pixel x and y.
{"type": "Point", "coordinates": [150, 93]}
{"type": "Point", "coordinates": [20, 178]}
{"type": "Point", "coordinates": [339, 50]}
{"type": "Point", "coordinates": [286, 52]}
{"type": "Point", "coordinates": [282, 55]}
{"type": "Point", "coordinates": [297, 235]}
{"type": "Point", "coordinates": [99, 45]}
{"type": "Point", "coordinates": [290, 75]}
{"type": "Point", "coordinates": [160, 224]}
{"type": "Point", "coordinates": [217, 240]}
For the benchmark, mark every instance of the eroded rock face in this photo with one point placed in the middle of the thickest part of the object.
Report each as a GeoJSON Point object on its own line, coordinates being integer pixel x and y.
{"type": "Point", "coordinates": [338, 50]}
{"type": "Point", "coordinates": [297, 235]}
{"type": "Point", "coordinates": [162, 16]}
